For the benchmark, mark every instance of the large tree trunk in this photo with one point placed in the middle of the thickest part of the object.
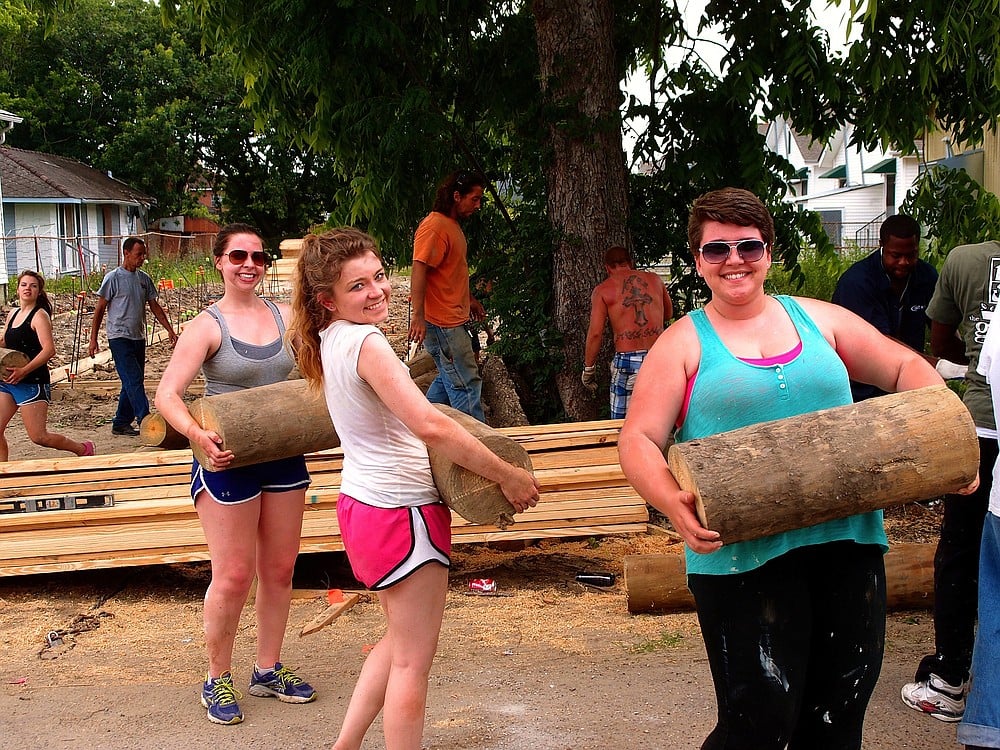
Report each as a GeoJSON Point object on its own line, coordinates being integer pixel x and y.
{"type": "Point", "coordinates": [586, 175]}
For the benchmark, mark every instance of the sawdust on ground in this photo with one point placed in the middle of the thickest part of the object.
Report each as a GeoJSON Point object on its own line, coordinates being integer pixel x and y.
{"type": "Point", "coordinates": [546, 663]}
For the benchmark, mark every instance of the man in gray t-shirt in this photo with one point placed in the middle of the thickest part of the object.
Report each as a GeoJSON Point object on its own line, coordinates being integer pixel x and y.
{"type": "Point", "coordinates": [124, 294]}
{"type": "Point", "coordinates": [961, 310]}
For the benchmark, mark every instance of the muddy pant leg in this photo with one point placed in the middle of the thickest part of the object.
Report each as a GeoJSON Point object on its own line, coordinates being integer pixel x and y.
{"type": "Point", "coordinates": [956, 575]}
{"type": "Point", "coordinates": [847, 592]}
{"type": "Point", "coordinates": [772, 659]}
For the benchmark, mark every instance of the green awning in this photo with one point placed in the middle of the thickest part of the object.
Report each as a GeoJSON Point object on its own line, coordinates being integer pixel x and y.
{"type": "Point", "coordinates": [837, 173]}
{"type": "Point", "coordinates": [886, 166]}
{"type": "Point", "coordinates": [802, 174]}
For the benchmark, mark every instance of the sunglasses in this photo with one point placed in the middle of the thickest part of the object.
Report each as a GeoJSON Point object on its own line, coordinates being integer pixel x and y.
{"type": "Point", "coordinates": [238, 257]}
{"type": "Point", "coordinates": [718, 252]}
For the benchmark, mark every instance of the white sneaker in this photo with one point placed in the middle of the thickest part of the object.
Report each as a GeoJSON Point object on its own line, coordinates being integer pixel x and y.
{"type": "Point", "coordinates": [934, 696]}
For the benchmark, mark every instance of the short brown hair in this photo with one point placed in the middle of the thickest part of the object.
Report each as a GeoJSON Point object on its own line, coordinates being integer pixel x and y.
{"type": "Point", "coordinates": [729, 206]}
{"type": "Point", "coordinates": [617, 254]}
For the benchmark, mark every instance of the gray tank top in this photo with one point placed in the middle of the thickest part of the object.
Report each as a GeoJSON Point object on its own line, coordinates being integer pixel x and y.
{"type": "Point", "coordinates": [237, 365]}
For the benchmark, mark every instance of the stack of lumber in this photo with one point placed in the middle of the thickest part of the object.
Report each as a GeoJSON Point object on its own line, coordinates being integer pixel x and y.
{"type": "Point", "coordinates": [279, 275]}
{"type": "Point", "coordinates": [153, 520]}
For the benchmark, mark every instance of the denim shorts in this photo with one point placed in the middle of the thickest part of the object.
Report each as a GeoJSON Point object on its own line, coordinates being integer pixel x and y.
{"type": "Point", "coordinates": [981, 722]}
{"type": "Point", "coordinates": [27, 393]}
{"type": "Point", "coordinates": [240, 485]}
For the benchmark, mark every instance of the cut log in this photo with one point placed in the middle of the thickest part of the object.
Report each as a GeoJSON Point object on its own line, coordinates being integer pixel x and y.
{"type": "Point", "coordinates": [804, 470]}
{"type": "Point", "coordinates": [421, 363]}
{"type": "Point", "coordinates": [473, 497]}
{"type": "Point", "coordinates": [156, 432]}
{"type": "Point", "coordinates": [283, 419]}
{"type": "Point", "coordinates": [11, 358]}
{"type": "Point", "coordinates": [657, 584]}
{"type": "Point", "coordinates": [266, 423]}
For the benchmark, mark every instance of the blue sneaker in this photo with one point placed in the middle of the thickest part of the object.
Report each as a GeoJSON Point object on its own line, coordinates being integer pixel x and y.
{"type": "Point", "coordinates": [219, 696]}
{"type": "Point", "coordinates": [281, 683]}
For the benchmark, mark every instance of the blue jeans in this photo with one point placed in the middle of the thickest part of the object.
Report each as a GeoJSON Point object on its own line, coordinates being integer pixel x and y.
{"type": "Point", "coordinates": [458, 382]}
{"type": "Point", "coordinates": [981, 723]}
{"type": "Point", "coordinates": [130, 361]}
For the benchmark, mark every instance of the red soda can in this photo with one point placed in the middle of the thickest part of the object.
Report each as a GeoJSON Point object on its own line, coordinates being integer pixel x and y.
{"type": "Point", "coordinates": [483, 585]}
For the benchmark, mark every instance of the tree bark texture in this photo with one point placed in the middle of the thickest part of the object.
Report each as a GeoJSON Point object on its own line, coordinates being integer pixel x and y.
{"type": "Point", "coordinates": [473, 497]}
{"type": "Point", "coordinates": [658, 583]}
{"type": "Point", "coordinates": [266, 423]}
{"type": "Point", "coordinates": [586, 176]}
{"type": "Point", "coordinates": [801, 471]}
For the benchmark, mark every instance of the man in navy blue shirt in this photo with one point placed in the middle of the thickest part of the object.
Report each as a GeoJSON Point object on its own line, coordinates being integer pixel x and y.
{"type": "Point", "coordinates": [891, 289]}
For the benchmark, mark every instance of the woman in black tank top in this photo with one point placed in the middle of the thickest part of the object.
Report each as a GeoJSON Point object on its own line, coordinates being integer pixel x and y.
{"type": "Point", "coordinates": [29, 330]}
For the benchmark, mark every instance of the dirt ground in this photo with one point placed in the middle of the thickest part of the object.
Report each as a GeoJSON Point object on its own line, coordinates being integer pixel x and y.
{"type": "Point", "coordinates": [547, 663]}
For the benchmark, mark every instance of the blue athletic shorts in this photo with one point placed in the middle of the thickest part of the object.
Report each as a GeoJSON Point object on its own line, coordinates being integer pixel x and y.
{"type": "Point", "coordinates": [232, 486]}
{"type": "Point", "coordinates": [27, 393]}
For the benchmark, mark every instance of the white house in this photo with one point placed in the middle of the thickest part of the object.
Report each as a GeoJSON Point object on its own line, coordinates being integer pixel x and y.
{"type": "Point", "coordinates": [61, 216]}
{"type": "Point", "coordinates": [852, 189]}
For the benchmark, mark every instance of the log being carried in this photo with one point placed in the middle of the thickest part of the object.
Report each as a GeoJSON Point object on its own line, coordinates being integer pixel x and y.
{"type": "Point", "coordinates": [283, 419]}
{"type": "Point", "coordinates": [833, 463]}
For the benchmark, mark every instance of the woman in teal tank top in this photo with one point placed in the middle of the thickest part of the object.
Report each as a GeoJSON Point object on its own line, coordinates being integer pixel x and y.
{"type": "Point", "coordinates": [793, 624]}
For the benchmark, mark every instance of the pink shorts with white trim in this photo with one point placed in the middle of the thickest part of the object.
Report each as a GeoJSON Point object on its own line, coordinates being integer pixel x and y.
{"type": "Point", "coordinates": [385, 545]}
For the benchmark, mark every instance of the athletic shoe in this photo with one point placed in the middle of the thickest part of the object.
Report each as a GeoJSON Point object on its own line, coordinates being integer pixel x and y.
{"type": "Point", "coordinates": [219, 696]}
{"type": "Point", "coordinates": [89, 449]}
{"type": "Point", "coordinates": [126, 430]}
{"type": "Point", "coordinates": [281, 683]}
{"type": "Point", "coordinates": [934, 696]}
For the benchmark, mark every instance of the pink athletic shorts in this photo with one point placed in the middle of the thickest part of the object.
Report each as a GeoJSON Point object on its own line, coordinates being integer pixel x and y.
{"type": "Point", "coordinates": [385, 545]}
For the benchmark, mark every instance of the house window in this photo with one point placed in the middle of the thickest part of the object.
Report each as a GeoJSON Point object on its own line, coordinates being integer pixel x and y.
{"type": "Point", "coordinates": [890, 194]}
{"type": "Point", "coordinates": [69, 237]}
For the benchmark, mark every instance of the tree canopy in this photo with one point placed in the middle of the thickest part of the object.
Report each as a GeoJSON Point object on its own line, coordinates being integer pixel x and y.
{"type": "Point", "coordinates": [111, 86]}
{"type": "Point", "coordinates": [398, 94]}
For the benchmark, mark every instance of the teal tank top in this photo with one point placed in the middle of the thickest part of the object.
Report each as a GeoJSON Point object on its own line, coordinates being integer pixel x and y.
{"type": "Point", "coordinates": [729, 393]}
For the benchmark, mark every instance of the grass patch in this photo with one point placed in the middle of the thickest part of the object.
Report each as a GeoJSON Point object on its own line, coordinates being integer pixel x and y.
{"type": "Point", "coordinates": [665, 642]}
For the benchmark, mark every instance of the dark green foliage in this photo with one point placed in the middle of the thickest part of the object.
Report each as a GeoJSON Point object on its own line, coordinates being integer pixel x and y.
{"type": "Point", "coordinates": [956, 208]}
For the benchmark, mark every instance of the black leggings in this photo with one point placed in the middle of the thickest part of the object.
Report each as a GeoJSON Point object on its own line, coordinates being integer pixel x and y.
{"type": "Point", "coordinates": [795, 647]}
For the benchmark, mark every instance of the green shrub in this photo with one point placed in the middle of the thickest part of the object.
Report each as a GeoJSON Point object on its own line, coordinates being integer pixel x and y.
{"type": "Point", "coordinates": [820, 272]}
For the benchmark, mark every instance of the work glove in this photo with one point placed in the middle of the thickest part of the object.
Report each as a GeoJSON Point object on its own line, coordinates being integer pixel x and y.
{"type": "Point", "coordinates": [950, 370]}
{"type": "Point", "coordinates": [589, 378]}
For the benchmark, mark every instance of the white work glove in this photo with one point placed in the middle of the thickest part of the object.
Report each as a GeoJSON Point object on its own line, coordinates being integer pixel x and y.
{"type": "Point", "coordinates": [950, 370]}
{"type": "Point", "coordinates": [589, 378]}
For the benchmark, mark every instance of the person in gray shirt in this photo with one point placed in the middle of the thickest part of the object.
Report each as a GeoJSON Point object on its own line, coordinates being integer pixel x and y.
{"type": "Point", "coordinates": [123, 295]}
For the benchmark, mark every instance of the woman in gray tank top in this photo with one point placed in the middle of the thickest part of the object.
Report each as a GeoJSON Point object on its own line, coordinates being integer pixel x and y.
{"type": "Point", "coordinates": [252, 515]}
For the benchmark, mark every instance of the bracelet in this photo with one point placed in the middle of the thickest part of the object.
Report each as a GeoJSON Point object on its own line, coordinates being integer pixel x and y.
{"type": "Point", "coordinates": [589, 368]}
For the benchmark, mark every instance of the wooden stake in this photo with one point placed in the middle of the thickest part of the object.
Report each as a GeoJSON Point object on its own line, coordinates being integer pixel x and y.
{"type": "Point", "coordinates": [330, 614]}
{"type": "Point", "coordinates": [791, 473]}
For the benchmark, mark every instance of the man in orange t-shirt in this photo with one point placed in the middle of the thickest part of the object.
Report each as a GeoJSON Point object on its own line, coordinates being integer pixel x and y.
{"type": "Point", "coordinates": [440, 295]}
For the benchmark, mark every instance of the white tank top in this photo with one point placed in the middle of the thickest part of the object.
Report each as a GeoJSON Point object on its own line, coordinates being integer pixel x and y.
{"type": "Point", "coordinates": [385, 464]}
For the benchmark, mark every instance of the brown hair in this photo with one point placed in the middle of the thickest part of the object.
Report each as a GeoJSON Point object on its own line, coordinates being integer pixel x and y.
{"type": "Point", "coordinates": [43, 299]}
{"type": "Point", "coordinates": [461, 182]}
{"type": "Point", "coordinates": [617, 254]}
{"type": "Point", "coordinates": [320, 262]}
{"type": "Point", "coordinates": [227, 232]}
{"type": "Point", "coordinates": [729, 206]}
